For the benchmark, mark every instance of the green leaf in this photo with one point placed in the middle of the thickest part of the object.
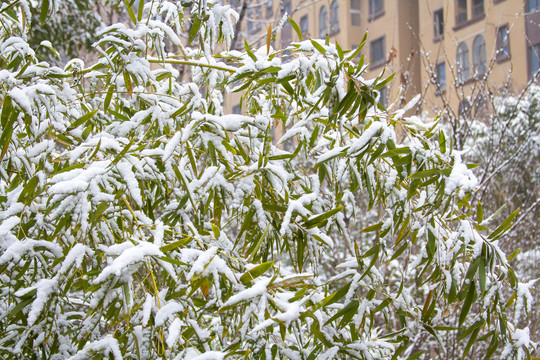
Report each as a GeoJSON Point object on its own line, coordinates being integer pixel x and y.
{"type": "Point", "coordinates": [424, 174]}
{"type": "Point", "coordinates": [82, 119]}
{"type": "Point", "coordinates": [130, 11]}
{"type": "Point", "coordinates": [5, 138]}
{"type": "Point", "coordinates": [467, 304]}
{"type": "Point", "coordinates": [254, 273]}
{"type": "Point", "coordinates": [398, 151]}
{"type": "Point", "coordinates": [442, 142]}
{"type": "Point", "coordinates": [470, 343]}
{"type": "Point", "coordinates": [373, 227]}
{"type": "Point", "coordinates": [123, 152]}
{"type": "Point", "coordinates": [194, 30]}
{"type": "Point", "coordinates": [319, 219]}
{"type": "Point", "coordinates": [329, 300]}
{"type": "Point", "coordinates": [383, 304]}
{"type": "Point", "coordinates": [108, 97]}
{"type": "Point", "coordinates": [318, 46]}
{"type": "Point", "coordinates": [482, 274]}
{"type": "Point", "coordinates": [504, 226]}
{"type": "Point", "coordinates": [44, 11]}
{"type": "Point", "coordinates": [513, 255]}
{"type": "Point", "coordinates": [347, 312]}
{"type": "Point", "coordinates": [140, 12]}
{"type": "Point", "coordinates": [175, 245]}
{"type": "Point", "coordinates": [296, 28]}
{"type": "Point", "coordinates": [7, 106]}
{"type": "Point", "coordinates": [479, 213]}
{"type": "Point", "coordinates": [172, 261]}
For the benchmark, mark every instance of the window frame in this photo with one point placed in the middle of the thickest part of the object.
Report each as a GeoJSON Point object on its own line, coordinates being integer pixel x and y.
{"type": "Point", "coordinates": [375, 63]}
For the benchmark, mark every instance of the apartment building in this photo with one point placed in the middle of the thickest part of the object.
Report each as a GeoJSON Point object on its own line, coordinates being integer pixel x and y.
{"type": "Point", "coordinates": [449, 51]}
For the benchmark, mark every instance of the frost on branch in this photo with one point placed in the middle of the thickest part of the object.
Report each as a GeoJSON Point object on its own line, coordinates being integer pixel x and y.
{"type": "Point", "coordinates": [141, 221]}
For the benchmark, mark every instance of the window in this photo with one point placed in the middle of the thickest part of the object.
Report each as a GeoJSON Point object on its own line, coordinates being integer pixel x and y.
{"type": "Point", "coordinates": [479, 56]}
{"type": "Point", "coordinates": [323, 23]}
{"type": "Point", "coordinates": [269, 8]}
{"type": "Point", "coordinates": [477, 8]}
{"type": "Point", "coordinates": [376, 7]}
{"type": "Point", "coordinates": [254, 24]}
{"type": "Point", "coordinates": [334, 17]}
{"type": "Point", "coordinates": [236, 109]}
{"type": "Point", "coordinates": [438, 24]}
{"type": "Point", "coordinates": [462, 63]}
{"type": "Point", "coordinates": [356, 15]}
{"type": "Point", "coordinates": [440, 77]}
{"type": "Point", "coordinates": [503, 43]}
{"type": "Point", "coordinates": [377, 52]}
{"type": "Point", "coordinates": [304, 25]}
{"type": "Point", "coordinates": [461, 11]}
{"type": "Point", "coordinates": [534, 55]}
{"type": "Point", "coordinates": [533, 5]}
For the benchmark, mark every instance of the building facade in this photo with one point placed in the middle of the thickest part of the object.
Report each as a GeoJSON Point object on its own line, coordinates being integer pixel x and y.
{"type": "Point", "coordinates": [449, 51]}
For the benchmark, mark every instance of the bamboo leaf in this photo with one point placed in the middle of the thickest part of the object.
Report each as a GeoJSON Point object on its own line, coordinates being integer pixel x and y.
{"type": "Point", "coordinates": [504, 226]}
{"type": "Point", "coordinates": [130, 11]}
{"type": "Point", "coordinates": [257, 271]}
{"type": "Point", "coordinates": [319, 219]}
{"type": "Point", "coordinates": [296, 29]}
{"type": "Point", "coordinates": [44, 11]}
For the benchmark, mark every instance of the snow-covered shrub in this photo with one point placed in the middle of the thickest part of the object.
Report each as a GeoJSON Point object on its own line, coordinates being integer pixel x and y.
{"type": "Point", "coordinates": [139, 221]}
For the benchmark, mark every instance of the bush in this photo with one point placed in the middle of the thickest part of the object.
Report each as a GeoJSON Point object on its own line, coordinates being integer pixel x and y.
{"type": "Point", "coordinates": [140, 221]}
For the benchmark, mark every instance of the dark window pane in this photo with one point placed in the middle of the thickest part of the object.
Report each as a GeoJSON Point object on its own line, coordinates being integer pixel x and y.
{"type": "Point", "coordinates": [462, 62]}
{"type": "Point", "coordinates": [477, 7]}
{"type": "Point", "coordinates": [438, 24]}
{"type": "Point", "coordinates": [375, 7]}
{"type": "Point", "coordinates": [479, 55]}
{"type": "Point", "coordinates": [304, 25]}
{"type": "Point", "coordinates": [534, 53]}
{"type": "Point", "coordinates": [356, 15]}
{"type": "Point", "coordinates": [377, 51]}
{"type": "Point", "coordinates": [503, 42]}
{"type": "Point", "coordinates": [461, 11]}
{"type": "Point", "coordinates": [334, 17]}
{"type": "Point", "coordinates": [323, 22]}
{"type": "Point", "coordinates": [441, 76]}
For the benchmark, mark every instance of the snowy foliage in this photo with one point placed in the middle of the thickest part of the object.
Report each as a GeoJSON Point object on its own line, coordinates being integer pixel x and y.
{"type": "Point", "coordinates": [139, 221]}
